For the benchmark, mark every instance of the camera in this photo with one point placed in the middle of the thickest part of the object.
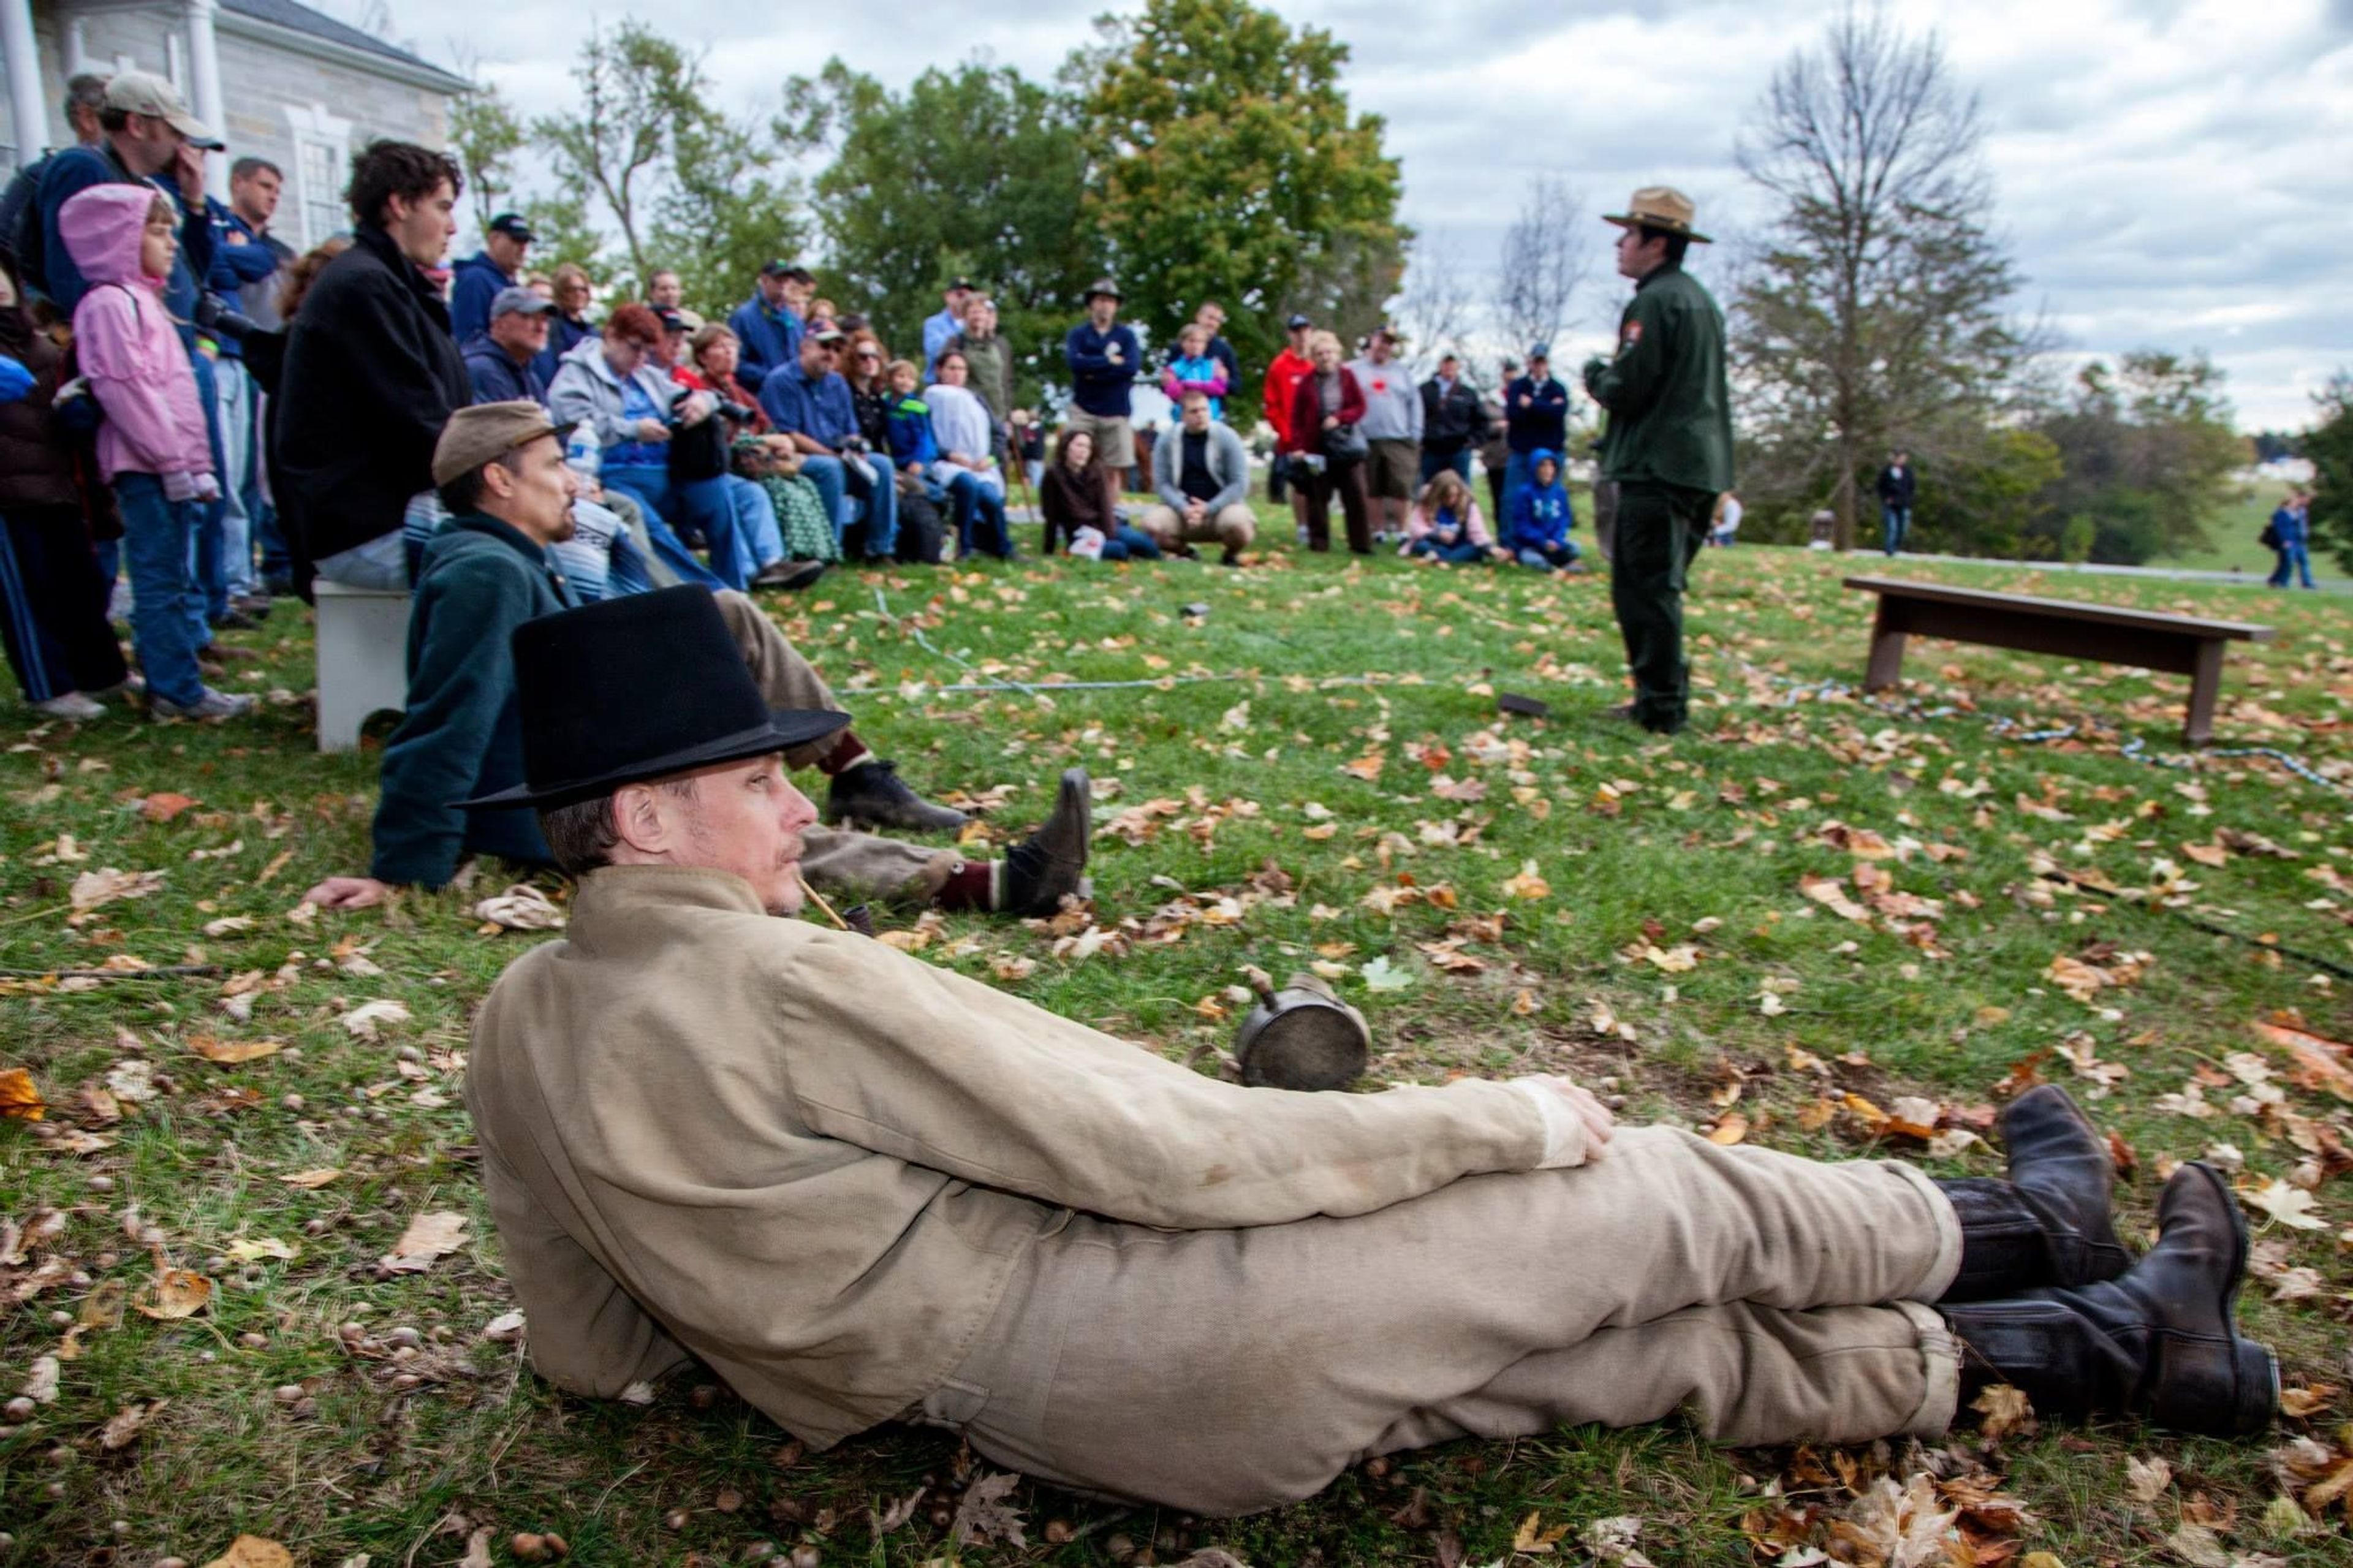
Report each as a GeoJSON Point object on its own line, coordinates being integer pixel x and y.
{"type": "Point", "coordinates": [739, 412]}
{"type": "Point", "coordinates": [212, 316]}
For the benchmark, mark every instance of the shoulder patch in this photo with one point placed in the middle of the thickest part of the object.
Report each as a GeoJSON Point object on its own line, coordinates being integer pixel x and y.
{"type": "Point", "coordinates": [1630, 335]}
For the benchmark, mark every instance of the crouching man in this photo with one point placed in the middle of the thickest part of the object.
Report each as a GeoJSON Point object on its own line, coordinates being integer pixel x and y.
{"type": "Point", "coordinates": [499, 469]}
{"type": "Point", "coordinates": [869, 1190]}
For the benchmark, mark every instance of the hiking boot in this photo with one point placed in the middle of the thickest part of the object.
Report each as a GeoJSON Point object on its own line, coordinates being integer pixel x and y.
{"type": "Point", "coordinates": [2157, 1343]}
{"type": "Point", "coordinates": [2047, 1223]}
{"type": "Point", "coordinates": [788, 574]}
{"type": "Point", "coordinates": [874, 793]}
{"type": "Point", "coordinates": [211, 704]}
{"type": "Point", "coordinates": [1623, 711]}
{"type": "Point", "coordinates": [72, 705]}
{"type": "Point", "coordinates": [1051, 862]}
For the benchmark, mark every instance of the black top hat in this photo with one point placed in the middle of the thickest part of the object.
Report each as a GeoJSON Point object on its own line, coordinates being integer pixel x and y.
{"type": "Point", "coordinates": [639, 688]}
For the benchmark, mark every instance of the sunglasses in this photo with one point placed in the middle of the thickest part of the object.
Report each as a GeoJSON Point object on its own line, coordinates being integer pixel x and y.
{"type": "Point", "coordinates": [868, 354]}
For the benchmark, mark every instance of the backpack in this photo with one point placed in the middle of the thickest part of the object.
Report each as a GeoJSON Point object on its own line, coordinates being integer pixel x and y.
{"type": "Point", "coordinates": [20, 224]}
{"type": "Point", "coordinates": [2270, 537]}
{"type": "Point", "coordinates": [921, 536]}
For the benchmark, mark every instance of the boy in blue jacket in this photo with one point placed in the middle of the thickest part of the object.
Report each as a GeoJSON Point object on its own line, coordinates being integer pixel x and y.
{"type": "Point", "coordinates": [1537, 529]}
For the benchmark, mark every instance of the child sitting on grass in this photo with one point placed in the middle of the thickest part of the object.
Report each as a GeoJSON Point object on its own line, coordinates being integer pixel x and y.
{"type": "Point", "coordinates": [1542, 517]}
{"type": "Point", "coordinates": [1445, 523]}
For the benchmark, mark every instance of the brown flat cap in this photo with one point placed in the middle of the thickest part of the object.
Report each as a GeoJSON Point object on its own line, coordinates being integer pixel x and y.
{"type": "Point", "coordinates": [487, 431]}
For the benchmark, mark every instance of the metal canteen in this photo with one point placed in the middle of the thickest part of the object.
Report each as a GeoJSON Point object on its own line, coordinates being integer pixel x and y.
{"type": "Point", "coordinates": [1302, 1037]}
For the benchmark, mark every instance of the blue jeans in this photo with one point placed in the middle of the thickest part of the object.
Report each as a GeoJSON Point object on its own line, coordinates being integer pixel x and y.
{"type": "Point", "coordinates": [240, 474]}
{"type": "Point", "coordinates": [1431, 463]}
{"type": "Point", "coordinates": [1895, 523]}
{"type": "Point", "coordinates": [167, 613]}
{"type": "Point", "coordinates": [1463, 552]}
{"type": "Point", "coordinates": [842, 486]}
{"type": "Point", "coordinates": [1127, 544]}
{"type": "Point", "coordinates": [703, 504]}
{"type": "Point", "coordinates": [756, 536]}
{"type": "Point", "coordinates": [2294, 559]}
{"type": "Point", "coordinates": [1518, 474]}
{"type": "Point", "coordinates": [1547, 557]}
{"type": "Point", "coordinates": [980, 512]}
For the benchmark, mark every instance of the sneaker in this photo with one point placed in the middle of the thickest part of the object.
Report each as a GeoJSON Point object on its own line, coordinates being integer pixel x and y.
{"type": "Point", "coordinates": [211, 705]}
{"type": "Point", "coordinates": [236, 619]}
{"type": "Point", "coordinates": [72, 705]}
{"type": "Point", "coordinates": [874, 794]}
{"type": "Point", "coordinates": [1042, 869]}
{"type": "Point", "coordinates": [788, 574]}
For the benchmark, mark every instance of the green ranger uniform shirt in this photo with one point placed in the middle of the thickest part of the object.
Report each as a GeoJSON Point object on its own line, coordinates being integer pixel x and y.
{"type": "Point", "coordinates": [1669, 411]}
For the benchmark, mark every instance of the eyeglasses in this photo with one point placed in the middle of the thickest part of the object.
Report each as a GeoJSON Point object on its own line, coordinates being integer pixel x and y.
{"type": "Point", "coordinates": [868, 354]}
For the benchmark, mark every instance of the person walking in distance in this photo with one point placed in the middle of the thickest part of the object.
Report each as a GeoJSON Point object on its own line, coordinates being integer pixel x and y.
{"type": "Point", "coordinates": [2289, 535]}
{"type": "Point", "coordinates": [1668, 444]}
{"type": "Point", "coordinates": [1898, 484]}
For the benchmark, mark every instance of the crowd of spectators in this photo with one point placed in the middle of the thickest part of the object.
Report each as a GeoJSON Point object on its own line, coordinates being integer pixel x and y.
{"type": "Point", "coordinates": [269, 420]}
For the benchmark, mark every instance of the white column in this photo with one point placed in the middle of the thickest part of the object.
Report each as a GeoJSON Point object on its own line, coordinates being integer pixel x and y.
{"type": "Point", "coordinates": [205, 88]}
{"type": "Point", "coordinates": [26, 110]}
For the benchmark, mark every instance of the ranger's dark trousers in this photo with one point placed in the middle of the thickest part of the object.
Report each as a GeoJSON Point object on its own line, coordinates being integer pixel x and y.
{"type": "Point", "coordinates": [1660, 528]}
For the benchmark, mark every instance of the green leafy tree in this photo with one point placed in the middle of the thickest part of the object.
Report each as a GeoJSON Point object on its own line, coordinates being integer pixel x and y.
{"type": "Point", "coordinates": [2147, 449]}
{"type": "Point", "coordinates": [726, 211]}
{"type": "Point", "coordinates": [977, 172]}
{"type": "Point", "coordinates": [563, 231]}
{"type": "Point", "coordinates": [1875, 314]}
{"type": "Point", "coordinates": [1228, 166]}
{"type": "Point", "coordinates": [485, 134]}
{"type": "Point", "coordinates": [2330, 447]}
{"type": "Point", "coordinates": [636, 91]}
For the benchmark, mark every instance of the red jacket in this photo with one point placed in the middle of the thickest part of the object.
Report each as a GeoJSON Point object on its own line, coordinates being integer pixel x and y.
{"type": "Point", "coordinates": [1281, 384]}
{"type": "Point", "coordinates": [1307, 411]}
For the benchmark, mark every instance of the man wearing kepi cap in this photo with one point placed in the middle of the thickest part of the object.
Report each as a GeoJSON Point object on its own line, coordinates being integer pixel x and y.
{"type": "Point", "coordinates": [1668, 444]}
{"type": "Point", "coordinates": [503, 359]}
{"type": "Point", "coordinates": [148, 137]}
{"type": "Point", "coordinates": [480, 277]}
{"type": "Point", "coordinates": [862, 1189]}
{"type": "Point", "coordinates": [500, 472]}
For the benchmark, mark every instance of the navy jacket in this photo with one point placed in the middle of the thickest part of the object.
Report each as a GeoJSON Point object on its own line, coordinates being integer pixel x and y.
{"type": "Point", "coordinates": [1098, 385]}
{"type": "Point", "coordinates": [234, 267]}
{"type": "Point", "coordinates": [564, 333]}
{"type": "Point", "coordinates": [496, 376]}
{"type": "Point", "coordinates": [76, 169]}
{"type": "Point", "coordinates": [477, 283]}
{"type": "Point", "coordinates": [462, 735]}
{"type": "Point", "coordinates": [820, 409]}
{"type": "Point", "coordinates": [771, 340]}
{"type": "Point", "coordinates": [1544, 424]}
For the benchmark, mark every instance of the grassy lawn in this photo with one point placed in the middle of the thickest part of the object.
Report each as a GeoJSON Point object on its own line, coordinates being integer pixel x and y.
{"type": "Point", "coordinates": [1813, 922]}
{"type": "Point", "coordinates": [2231, 535]}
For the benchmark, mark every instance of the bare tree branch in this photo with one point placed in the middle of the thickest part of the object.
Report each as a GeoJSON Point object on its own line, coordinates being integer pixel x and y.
{"type": "Point", "coordinates": [1436, 311]}
{"type": "Point", "coordinates": [1543, 265]}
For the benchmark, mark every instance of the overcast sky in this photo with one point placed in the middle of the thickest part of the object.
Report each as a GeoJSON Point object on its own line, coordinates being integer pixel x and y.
{"type": "Point", "coordinates": [2170, 172]}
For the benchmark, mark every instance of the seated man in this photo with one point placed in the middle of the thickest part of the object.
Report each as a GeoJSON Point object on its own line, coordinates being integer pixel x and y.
{"type": "Point", "coordinates": [871, 1190]}
{"type": "Point", "coordinates": [809, 401]}
{"type": "Point", "coordinates": [501, 474]}
{"type": "Point", "coordinates": [503, 359]}
{"type": "Point", "coordinates": [1202, 477]}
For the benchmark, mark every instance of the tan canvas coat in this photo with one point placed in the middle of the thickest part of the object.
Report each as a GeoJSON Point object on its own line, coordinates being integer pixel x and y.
{"type": "Point", "coordinates": [814, 1161]}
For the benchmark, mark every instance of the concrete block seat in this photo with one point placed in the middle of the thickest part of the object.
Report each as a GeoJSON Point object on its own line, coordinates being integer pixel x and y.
{"type": "Point", "coordinates": [363, 644]}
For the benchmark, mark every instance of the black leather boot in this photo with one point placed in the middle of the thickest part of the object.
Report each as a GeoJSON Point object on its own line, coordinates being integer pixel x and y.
{"type": "Point", "coordinates": [2157, 1343]}
{"type": "Point", "coordinates": [1052, 861]}
{"type": "Point", "coordinates": [2047, 1223]}
{"type": "Point", "coordinates": [874, 793]}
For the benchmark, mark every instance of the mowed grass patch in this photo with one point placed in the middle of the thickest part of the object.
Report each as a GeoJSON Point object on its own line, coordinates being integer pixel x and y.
{"type": "Point", "coordinates": [1313, 774]}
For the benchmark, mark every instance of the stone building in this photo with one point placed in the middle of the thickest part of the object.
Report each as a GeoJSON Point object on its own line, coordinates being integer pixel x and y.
{"type": "Point", "coordinates": [278, 79]}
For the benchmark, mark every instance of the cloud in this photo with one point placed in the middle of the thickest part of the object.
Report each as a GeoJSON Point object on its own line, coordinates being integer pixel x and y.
{"type": "Point", "coordinates": [2170, 175]}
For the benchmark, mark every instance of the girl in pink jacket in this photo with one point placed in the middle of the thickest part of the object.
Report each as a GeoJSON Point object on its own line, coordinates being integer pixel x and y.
{"type": "Point", "coordinates": [152, 446]}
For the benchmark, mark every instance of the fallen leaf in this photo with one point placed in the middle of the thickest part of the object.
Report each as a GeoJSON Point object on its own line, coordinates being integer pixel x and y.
{"type": "Point", "coordinates": [93, 888]}
{"type": "Point", "coordinates": [227, 925]}
{"type": "Point", "coordinates": [521, 908]}
{"type": "Point", "coordinates": [2305, 1401]}
{"type": "Point", "coordinates": [19, 1100]}
{"type": "Point", "coordinates": [1380, 975]}
{"type": "Point", "coordinates": [428, 1236]}
{"type": "Point", "coordinates": [253, 1552]}
{"type": "Point", "coordinates": [2197, 1546]}
{"type": "Point", "coordinates": [364, 1020]}
{"type": "Point", "coordinates": [2005, 1409]}
{"type": "Point", "coordinates": [318, 1178]}
{"type": "Point", "coordinates": [228, 1053]}
{"type": "Point", "coordinates": [983, 1513]}
{"type": "Point", "coordinates": [1730, 1128]}
{"type": "Point", "coordinates": [2288, 1204]}
{"type": "Point", "coordinates": [122, 1429]}
{"type": "Point", "coordinates": [1828, 892]}
{"type": "Point", "coordinates": [164, 805]}
{"type": "Point", "coordinates": [504, 1329]}
{"type": "Point", "coordinates": [252, 1249]}
{"type": "Point", "coordinates": [896, 1514]}
{"type": "Point", "coordinates": [1533, 1538]}
{"type": "Point", "coordinates": [174, 1293]}
{"type": "Point", "coordinates": [41, 1380]}
{"type": "Point", "coordinates": [478, 1550]}
{"type": "Point", "coordinates": [1527, 884]}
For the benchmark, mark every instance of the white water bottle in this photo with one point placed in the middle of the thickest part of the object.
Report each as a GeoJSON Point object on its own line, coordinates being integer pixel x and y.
{"type": "Point", "coordinates": [586, 458]}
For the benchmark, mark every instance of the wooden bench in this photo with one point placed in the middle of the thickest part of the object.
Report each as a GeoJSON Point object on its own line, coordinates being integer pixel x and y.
{"type": "Point", "coordinates": [2180, 645]}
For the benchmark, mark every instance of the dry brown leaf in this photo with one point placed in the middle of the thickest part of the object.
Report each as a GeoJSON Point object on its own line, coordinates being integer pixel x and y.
{"type": "Point", "coordinates": [2322, 1063]}
{"type": "Point", "coordinates": [1828, 892]}
{"type": "Point", "coordinates": [2303, 1401]}
{"type": "Point", "coordinates": [123, 1429]}
{"type": "Point", "coordinates": [521, 908]}
{"type": "Point", "coordinates": [253, 1552]}
{"type": "Point", "coordinates": [19, 1100]}
{"type": "Point", "coordinates": [1533, 1538]}
{"type": "Point", "coordinates": [1730, 1128]}
{"type": "Point", "coordinates": [428, 1236]}
{"type": "Point", "coordinates": [2212, 855]}
{"type": "Point", "coordinates": [164, 805]}
{"type": "Point", "coordinates": [2005, 1409]}
{"type": "Point", "coordinates": [318, 1178]}
{"type": "Point", "coordinates": [478, 1550]}
{"type": "Point", "coordinates": [1527, 884]}
{"type": "Point", "coordinates": [94, 888]}
{"type": "Point", "coordinates": [364, 1020]}
{"type": "Point", "coordinates": [41, 1380]}
{"type": "Point", "coordinates": [174, 1293]}
{"type": "Point", "coordinates": [228, 1053]}
{"type": "Point", "coordinates": [984, 1514]}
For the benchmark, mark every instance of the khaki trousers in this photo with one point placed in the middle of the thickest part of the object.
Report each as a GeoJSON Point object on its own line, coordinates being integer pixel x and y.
{"type": "Point", "coordinates": [1233, 526]}
{"type": "Point", "coordinates": [859, 865]}
{"type": "Point", "coordinates": [1221, 1371]}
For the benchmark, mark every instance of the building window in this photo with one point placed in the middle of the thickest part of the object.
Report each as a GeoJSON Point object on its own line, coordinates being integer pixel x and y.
{"type": "Point", "coordinates": [322, 144]}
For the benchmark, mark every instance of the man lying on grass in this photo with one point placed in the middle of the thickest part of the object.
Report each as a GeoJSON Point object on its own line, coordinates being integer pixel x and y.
{"type": "Point", "coordinates": [862, 1189]}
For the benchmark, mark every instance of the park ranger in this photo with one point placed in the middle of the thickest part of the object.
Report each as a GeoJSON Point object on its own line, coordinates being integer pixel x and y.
{"type": "Point", "coordinates": [1668, 446]}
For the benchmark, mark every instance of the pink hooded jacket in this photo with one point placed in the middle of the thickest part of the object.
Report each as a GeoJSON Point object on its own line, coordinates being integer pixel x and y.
{"type": "Point", "coordinates": [129, 348]}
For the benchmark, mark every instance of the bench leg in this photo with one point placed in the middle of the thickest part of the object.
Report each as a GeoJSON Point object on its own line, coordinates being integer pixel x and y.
{"type": "Point", "coordinates": [2205, 687]}
{"type": "Point", "coordinates": [1885, 670]}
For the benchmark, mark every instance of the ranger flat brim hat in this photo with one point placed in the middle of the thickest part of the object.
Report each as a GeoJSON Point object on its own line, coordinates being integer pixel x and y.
{"type": "Point", "coordinates": [642, 686]}
{"type": "Point", "coordinates": [1661, 207]}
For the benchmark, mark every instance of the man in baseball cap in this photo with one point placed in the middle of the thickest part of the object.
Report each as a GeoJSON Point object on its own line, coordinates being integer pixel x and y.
{"type": "Point", "coordinates": [147, 137]}
{"type": "Point", "coordinates": [768, 325]}
{"type": "Point", "coordinates": [481, 276]}
{"type": "Point", "coordinates": [500, 359]}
